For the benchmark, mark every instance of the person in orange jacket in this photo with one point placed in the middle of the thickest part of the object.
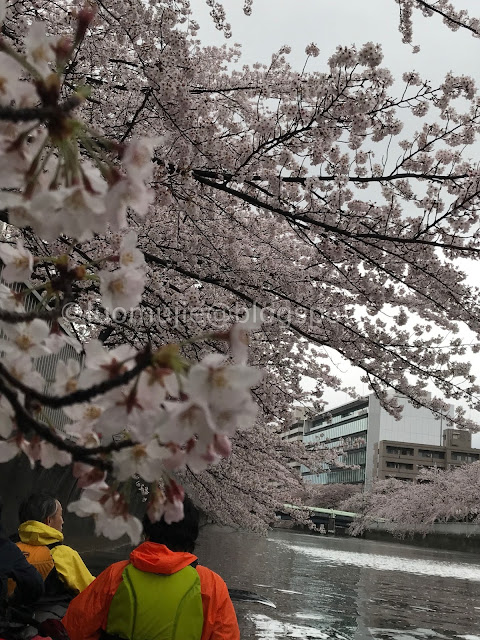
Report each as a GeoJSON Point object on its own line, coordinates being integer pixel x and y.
{"type": "Point", "coordinates": [160, 592]}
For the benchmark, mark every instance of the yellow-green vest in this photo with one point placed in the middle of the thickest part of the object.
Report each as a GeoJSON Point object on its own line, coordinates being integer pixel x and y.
{"type": "Point", "coordinates": [153, 606]}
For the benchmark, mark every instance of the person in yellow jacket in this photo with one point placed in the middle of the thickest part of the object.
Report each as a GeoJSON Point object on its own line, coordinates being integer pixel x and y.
{"type": "Point", "coordinates": [41, 542]}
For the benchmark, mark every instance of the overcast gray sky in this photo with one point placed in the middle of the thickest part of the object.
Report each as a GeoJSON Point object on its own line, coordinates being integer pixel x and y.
{"type": "Point", "coordinates": [329, 23]}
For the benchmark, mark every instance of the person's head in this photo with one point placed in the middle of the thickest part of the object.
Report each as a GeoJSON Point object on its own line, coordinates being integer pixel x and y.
{"type": "Point", "coordinates": [42, 507]}
{"type": "Point", "coordinates": [178, 536]}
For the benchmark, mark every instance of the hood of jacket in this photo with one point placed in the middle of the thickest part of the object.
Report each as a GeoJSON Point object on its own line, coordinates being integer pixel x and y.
{"type": "Point", "coordinates": [157, 558]}
{"type": "Point", "coordinates": [37, 533]}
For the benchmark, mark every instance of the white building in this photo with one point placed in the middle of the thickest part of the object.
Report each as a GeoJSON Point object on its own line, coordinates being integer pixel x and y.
{"type": "Point", "coordinates": [360, 425]}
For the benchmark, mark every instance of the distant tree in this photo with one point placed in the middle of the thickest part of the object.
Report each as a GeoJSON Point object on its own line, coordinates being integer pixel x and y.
{"type": "Point", "coordinates": [438, 495]}
{"type": "Point", "coordinates": [329, 496]}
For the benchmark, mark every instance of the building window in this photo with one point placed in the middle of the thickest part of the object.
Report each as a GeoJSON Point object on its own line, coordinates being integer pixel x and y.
{"type": "Point", "coordinates": [351, 428]}
{"type": "Point", "coordinates": [399, 465]}
{"type": "Point", "coordinates": [402, 478]}
{"type": "Point", "coordinates": [429, 453]}
{"type": "Point", "coordinates": [399, 451]}
{"type": "Point", "coordinates": [464, 457]}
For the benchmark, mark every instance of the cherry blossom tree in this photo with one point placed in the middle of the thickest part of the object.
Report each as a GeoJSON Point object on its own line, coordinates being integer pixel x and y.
{"type": "Point", "coordinates": [439, 495]}
{"type": "Point", "coordinates": [329, 496]}
{"type": "Point", "coordinates": [162, 199]}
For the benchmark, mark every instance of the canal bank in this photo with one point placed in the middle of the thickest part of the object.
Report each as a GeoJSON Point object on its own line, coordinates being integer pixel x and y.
{"type": "Point", "coordinates": [459, 536]}
{"type": "Point", "coordinates": [454, 536]}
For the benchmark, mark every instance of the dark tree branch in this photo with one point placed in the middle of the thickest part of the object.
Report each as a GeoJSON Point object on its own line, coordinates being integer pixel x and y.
{"type": "Point", "coordinates": [143, 360]}
{"type": "Point", "coordinates": [297, 218]}
{"type": "Point", "coordinates": [27, 114]}
{"type": "Point", "coordinates": [132, 122]}
{"type": "Point", "coordinates": [50, 315]}
{"type": "Point", "coordinates": [228, 177]}
{"type": "Point", "coordinates": [26, 423]}
{"type": "Point", "coordinates": [445, 16]}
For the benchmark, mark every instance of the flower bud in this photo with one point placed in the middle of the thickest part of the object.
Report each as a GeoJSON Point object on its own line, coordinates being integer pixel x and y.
{"type": "Point", "coordinates": [80, 272]}
{"type": "Point", "coordinates": [84, 19]}
{"type": "Point", "coordinates": [63, 50]}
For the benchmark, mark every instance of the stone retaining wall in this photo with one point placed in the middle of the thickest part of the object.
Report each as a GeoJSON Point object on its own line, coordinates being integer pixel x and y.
{"type": "Point", "coordinates": [458, 536]}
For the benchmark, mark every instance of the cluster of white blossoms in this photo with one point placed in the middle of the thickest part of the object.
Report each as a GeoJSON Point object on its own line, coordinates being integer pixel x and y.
{"type": "Point", "coordinates": [171, 414]}
{"type": "Point", "coordinates": [133, 413]}
{"type": "Point", "coordinates": [45, 181]}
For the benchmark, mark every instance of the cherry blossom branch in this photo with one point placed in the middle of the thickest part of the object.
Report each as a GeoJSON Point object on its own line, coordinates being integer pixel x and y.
{"type": "Point", "coordinates": [229, 177]}
{"type": "Point", "coordinates": [135, 116]}
{"type": "Point", "coordinates": [143, 360]}
{"type": "Point", "coordinates": [296, 218]}
{"type": "Point", "coordinates": [13, 317]}
{"type": "Point", "coordinates": [448, 18]}
{"type": "Point", "coordinates": [44, 114]}
{"type": "Point", "coordinates": [312, 337]}
{"type": "Point", "coordinates": [26, 423]}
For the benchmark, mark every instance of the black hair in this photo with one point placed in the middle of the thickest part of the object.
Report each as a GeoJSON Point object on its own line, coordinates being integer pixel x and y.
{"type": "Point", "coordinates": [2, 530]}
{"type": "Point", "coordinates": [38, 506]}
{"type": "Point", "coordinates": [178, 536]}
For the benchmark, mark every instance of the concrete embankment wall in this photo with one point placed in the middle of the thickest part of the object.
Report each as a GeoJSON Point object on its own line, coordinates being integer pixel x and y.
{"type": "Point", "coordinates": [458, 536]}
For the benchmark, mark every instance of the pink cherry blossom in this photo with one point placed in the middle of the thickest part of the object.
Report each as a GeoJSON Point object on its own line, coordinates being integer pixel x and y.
{"type": "Point", "coordinates": [10, 300]}
{"type": "Point", "coordinates": [66, 377]}
{"type": "Point", "coordinates": [87, 475]}
{"type": "Point", "coordinates": [114, 527]}
{"type": "Point", "coordinates": [39, 48]}
{"type": "Point", "coordinates": [20, 366]}
{"type": "Point", "coordinates": [122, 288]}
{"type": "Point", "coordinates": [89, 502]}
{"type": "Point", "coordinates": [144, 460]}
{"type": "Point", "coordinates": [167, 504]}
{"type": "Point", "coordinates": [123, 194]}
{"type": "Point", "coordinates": [102, 364]}
{"type": "Point", "coordinates": [18, 262]}
{"type": "Point", "coordinates": [155, 385]}
{"type": "Point", "coordinates": [227, 388]}
{"type": "Point", "coordinates": [47, 454]}
{"type": "Point", "coordinates": [84, 418]}
{"type": "Point", "coordinates": [124, 411]}
{"type": "Point", "coordinates": [27, 338]}
{"type": "Point", "coordinates": [137, 159]}
{"type": "Point", "coordinates": [130, 256]}
{"type": "Point", "coordinates": [6, 421]}
{"type": "Point", "coordinates": [8, 450]}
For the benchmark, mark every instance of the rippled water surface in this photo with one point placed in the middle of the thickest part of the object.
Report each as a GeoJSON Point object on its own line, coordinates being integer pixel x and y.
{"type": "Point", "coordinates": [326, 587]}
{"type": "Point", "coordinates": [341, 588]}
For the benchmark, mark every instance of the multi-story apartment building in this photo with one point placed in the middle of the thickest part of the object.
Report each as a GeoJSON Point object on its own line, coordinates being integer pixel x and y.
{"type": "Point", "coordinates": [403, 460]}
{"type": "Point", "coordinates": [358, 426]}
{"type": "Point", "coordinates": [346, 425]}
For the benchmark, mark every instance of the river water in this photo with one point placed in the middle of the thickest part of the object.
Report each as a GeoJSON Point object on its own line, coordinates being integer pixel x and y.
{"type": "Point", "coordinates": [343, 588]}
